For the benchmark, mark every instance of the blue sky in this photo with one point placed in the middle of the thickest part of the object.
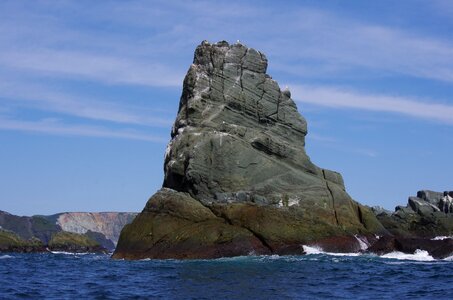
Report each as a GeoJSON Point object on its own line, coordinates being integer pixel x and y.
{"type": "Point", "coordinates": [89, 91]}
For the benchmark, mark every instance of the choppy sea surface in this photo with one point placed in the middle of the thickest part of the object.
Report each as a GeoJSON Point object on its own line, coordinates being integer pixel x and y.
{"type": "Point", "coordinates": [317, 275]}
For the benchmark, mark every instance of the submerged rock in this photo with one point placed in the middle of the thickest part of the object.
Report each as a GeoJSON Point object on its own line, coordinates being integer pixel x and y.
{"type": "Point", "coordinates": [237, 177]}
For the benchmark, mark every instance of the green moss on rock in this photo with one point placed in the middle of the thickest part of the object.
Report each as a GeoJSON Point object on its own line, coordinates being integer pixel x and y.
{"type": "Point", "coordinates": [11, 242]}
{"type": "Point", "coordinates": [73, 242]}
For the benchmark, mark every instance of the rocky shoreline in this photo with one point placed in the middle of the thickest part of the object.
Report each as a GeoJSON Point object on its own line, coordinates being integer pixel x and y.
{"type": "Point", "coordinates": [67, 232]}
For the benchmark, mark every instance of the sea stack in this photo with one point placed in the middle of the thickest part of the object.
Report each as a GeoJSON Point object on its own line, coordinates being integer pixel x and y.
{"type": "Point", "coordinates": [237, 178]}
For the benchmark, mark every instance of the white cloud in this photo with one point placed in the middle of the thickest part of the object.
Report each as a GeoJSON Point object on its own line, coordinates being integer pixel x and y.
{"type": "Point", "coordinates": [341, 98]}
{"type": "Point", "coordinates": [54, 127]}
{"type": "Point", "coordinates": [326, 43]}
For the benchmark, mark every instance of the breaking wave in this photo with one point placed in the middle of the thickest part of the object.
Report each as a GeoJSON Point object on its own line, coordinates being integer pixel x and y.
{"type": "Point", "coordinates": [418, 255]}
{"type": "Point", "coordinates": [69, 253]}
{"type": "Point", "coordinates": [441, 238]}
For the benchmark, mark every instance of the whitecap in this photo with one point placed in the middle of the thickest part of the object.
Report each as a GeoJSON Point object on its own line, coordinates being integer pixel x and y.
{"type": "Point", "coordinates": [145, 259]}
{"type": "Point", "coordinates": [441, 238]}
{"type": "Point", "coordinates": [69, 253]}
{"type": "Point", "coordinates": [310, 250]}
{"type": "Point", "coordinates": [6, 256]}
{"type": "Point", "coordinates": [419, 255]}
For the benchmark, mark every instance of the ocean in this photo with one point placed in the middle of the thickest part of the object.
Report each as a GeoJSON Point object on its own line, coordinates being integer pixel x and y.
{"type": "Point", "coordinates": [317, 275]}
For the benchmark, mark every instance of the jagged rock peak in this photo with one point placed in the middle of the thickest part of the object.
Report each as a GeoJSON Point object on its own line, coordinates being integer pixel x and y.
{"type": "Point", "coordinates": [233, 78]}
{"type": "Point", "coordinates": [238, 137]}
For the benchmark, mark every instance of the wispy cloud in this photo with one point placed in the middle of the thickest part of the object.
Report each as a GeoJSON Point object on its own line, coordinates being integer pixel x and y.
{"type": "Point", "coordinates": [299, 39]}
{"type": "Point", "coordinates": [55, 127]}
{"type": "Point", "coordinates": [341, 98]}
{"type": "Point", "coordinates": [329, 44]}
{"type": "Point", "coordinates": [23, 94]}
{"type": "Point", "coordinates": [93, 66]}
{"type": "Point", "coordinates": [138, 43]}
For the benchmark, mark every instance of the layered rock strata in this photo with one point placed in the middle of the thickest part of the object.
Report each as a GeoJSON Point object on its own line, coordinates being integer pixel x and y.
{"type": "Point", "coordinates": [237, 177]}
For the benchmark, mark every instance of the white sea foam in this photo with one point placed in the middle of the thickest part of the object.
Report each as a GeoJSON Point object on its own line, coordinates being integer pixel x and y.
{"type": "Point", "coordinates": [6, 256]}
{"type": "Point", "coordinates": [449, 258]}
{"type": "Point", "coordinates": [68, 253]}
{"type": "Point", "coordinates": [318, 250]}
{"type": "Point", "coordinates": [363, 243]}
{"type": "Point", "coordinates": [312, 250]}
{"type": "Point", "coordinates": [419, 255]}
{"type": "Point", "coordinates": [441, 238]}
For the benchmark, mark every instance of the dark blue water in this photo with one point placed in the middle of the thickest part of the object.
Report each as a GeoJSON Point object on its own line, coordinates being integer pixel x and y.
{"type": "Point", "coordinates": [64, 276]}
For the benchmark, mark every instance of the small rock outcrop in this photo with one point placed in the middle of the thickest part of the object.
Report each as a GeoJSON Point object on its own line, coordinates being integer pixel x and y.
{"type": "Point", "coordinates": [11, 242]}
{"type": "Point", "coordinates": [74, 242]}
{"type": "Point", "coordinates": [237, 177]}
{"type": "Point", "coordinates": [60, 241]}
{"type": "Point", "coordinates": [425, 223]}
{"type": "Point", "coordinates": [427, 215]}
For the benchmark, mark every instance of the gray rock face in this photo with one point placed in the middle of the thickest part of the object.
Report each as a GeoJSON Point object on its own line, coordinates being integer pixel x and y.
{"type": "Point", "coordinates": [238, 137]}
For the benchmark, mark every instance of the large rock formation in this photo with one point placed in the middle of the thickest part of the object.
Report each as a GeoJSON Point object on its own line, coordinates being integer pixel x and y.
{"type": "Point", "coordinates": [237, 177]}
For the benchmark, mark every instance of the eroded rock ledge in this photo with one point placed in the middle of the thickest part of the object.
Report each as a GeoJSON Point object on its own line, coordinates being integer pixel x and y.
{"type": "Point", "coordinates": [237, 177]}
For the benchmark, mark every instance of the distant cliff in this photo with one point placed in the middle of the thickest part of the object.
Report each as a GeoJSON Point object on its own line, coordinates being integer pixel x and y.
{"type": "Point", "coordinates": [109, 224]}
{"type": "Point", "coordinates": [103, 228]}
